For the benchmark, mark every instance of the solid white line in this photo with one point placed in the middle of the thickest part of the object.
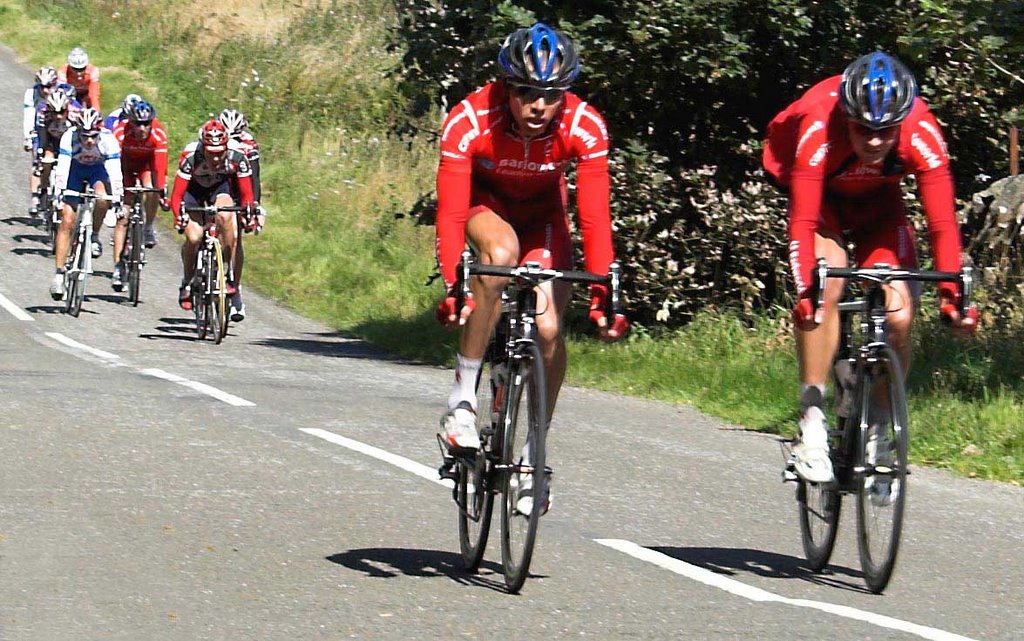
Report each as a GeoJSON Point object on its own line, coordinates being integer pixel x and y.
{"type": "Point", "coordinates": [61, 338]}
{"type": "Point", "coordinates": [15, 311]}
{"type": "Point", "coordinates": [408, 465]}
{"type": "Point", "coordinates": [732, 586]}
{"type": "Point", "coordinates": [203, 388]}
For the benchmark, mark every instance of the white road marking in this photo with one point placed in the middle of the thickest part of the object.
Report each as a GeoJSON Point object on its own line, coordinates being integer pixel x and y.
{"type": "Point", "coordinates": [733, 586]}
{"type": "Point", "coordinates": [408, 465]}
{"type": "Point", "coordinates": [15, 311]}
{"type": "Point", "coordinates": [70, 342]}
{"type": "Point", "coordinates": [203, 388]}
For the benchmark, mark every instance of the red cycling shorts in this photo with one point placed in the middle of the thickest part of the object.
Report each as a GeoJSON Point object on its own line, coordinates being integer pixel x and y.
{"type": "Point", "coordinates": [877, 226]}
{"type": "Point", "coordinates": [540, 223]}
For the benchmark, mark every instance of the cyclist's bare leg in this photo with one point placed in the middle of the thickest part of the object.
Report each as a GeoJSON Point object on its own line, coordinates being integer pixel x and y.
{"type": "Point", "coordinates": [68, 220]}
{"type": "Point", "coordinates": [496, 244]}
{"type": "Point", "coordinates": [236, 269]}
{"type": "Point", "coordinates": [121, 229]}
{"type": "Point", "coordinates": [552, 299]}
{"type": "Point", "coordinates": [189, 249]}
{"type": "Point", "coordinates": [226, 222]}
{"type": "Point", "coordinates": [100, 210]}
{"type": "Point", "coordinates": [816, 348]}
{"type": "Point", "coordinates": [149, 201]}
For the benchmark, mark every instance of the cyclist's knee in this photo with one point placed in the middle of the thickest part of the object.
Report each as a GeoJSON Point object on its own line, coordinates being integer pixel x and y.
{"type": "Point", "coordinates": [500, 253]}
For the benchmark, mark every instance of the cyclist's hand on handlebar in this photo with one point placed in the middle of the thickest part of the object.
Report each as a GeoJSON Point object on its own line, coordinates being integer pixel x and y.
{"type": "Point", "coordinates": [165, 204]}
{"type": "Point", "coordinates": [449, 316]}
{"type": "Point", "coordinates": [962, 325]}
{"type": "Point", "coordinates": [181, 221]}
{"type": "Point", "coordinates": [805, 317]}
{"type": "Point", "coordinates": [608, 332]}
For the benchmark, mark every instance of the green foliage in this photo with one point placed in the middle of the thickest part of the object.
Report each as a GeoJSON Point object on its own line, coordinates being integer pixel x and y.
{"type": "Point", "coordinates": [687, 87]}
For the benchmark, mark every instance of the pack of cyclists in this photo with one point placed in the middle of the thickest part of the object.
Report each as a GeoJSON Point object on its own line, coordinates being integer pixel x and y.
{"type": "Point", "coordinates": [63, 126]}
{"type": "Point", "coordinates": [840, 152]}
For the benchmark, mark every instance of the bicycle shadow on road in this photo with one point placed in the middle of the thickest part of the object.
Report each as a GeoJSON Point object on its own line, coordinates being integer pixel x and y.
{"type": "Point", "coordinates": [389, 563]}
{"type": "Point", "coordinates": [735, 562]}
{"type": "Point", "coordinates": [333, 344]}
{"type": "Point", "coordinates": [21, 220]}
{"type": "Point", "coordinates": [38, 251]}
{"type": "Point", "coordinates": [32, 238]}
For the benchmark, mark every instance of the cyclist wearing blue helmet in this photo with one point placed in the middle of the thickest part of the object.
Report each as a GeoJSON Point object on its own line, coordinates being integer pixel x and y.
{"type": "Point", "coordinates": [501, 187]}
{"type": "Point", "coordinates": [841, 150]}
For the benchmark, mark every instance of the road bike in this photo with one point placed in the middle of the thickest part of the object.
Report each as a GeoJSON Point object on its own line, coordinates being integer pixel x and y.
{"type": "Point", "coordinates": [133, 255]}
{"type": "Point", "coordinates": [208, 287]}
{"type": "Point", "coordinates": [78, 264]}
{"type": "Point", "coordinates": [512, 418]}
{"type": "Point", "coordinates": [868, 446]}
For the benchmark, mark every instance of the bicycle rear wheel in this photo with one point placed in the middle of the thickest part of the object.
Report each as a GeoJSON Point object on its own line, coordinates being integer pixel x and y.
{"type": "Point", "coordinates": [882, 487]}
{"type": "Point", "coordinates": [135, 263]}
{"type": "Point", "coordinates": [819, 521]}
{"type": "Point", "coordinates": [474, 493]}
{"type": "Point", "coordinates": [525, 422]}
{"type": "Point", "coordinates": [198, 294]}
{"type": "Point", "coordinates": [76, 275]}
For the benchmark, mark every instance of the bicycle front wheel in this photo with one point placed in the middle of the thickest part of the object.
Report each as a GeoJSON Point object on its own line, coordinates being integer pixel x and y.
{"type": "Point", "coordinates": [882, 487]}
{"type": "Point", "coordinates": [217, 299]}
{"type": "Point", "coordinates": [135, 263]}
{"type": "Point", "coordinates": [525, 485]}
{"type": "Point", "coordinates": [75, 278]}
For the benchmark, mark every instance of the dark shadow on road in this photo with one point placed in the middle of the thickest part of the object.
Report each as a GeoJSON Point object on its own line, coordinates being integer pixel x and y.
{"type": "Point", "coordinates": [735, 562]}
{"type": "Point", "coordinates": [191, 337]}
{"type": "Point", "coordinates": [38, 251]}
{"type": "Point", "coordinates": [57, 309]}
{"type": "Point", "coordinates": [177, 320]}
{"type": "Point", "coordinates": [333, 344]}
{"type": "Point", "coordinates": [20, 220]}
{"type": "Point", "coordinates": [389, 563]}
{"type": "Point", "coordinates": [32, 238]}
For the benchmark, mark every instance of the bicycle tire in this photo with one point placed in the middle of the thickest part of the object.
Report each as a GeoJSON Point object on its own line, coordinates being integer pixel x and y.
{"type": "Point", "coordinates": [218, 316]}
{"type": "Point", "coordinates": [820, 505]}
{"type": "Point", "coordinates": [519, 530]}
{"type": "Point", "coordinates": [475, 511]}
{"type": "Point", "coordinates": [135, 263]}
{"type": "Point", "coordinates": [197, 292]}
{"type": "Point", "coordinates": [878, 537]}
{"type": "Point", "coordinates": [76, 280]}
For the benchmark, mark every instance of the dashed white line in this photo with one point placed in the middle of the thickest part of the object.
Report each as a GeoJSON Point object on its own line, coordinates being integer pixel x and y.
{"type": "Point", "coordinates": [732, 586]}
{"type": "Point", "coordinates": [203, 388]}
{"type": "Point", "coordinates": [15, 311]}
{"type": "Point", "coordinates": [70, 342]}
{"type": "Point", "coordinates": [406, 464]}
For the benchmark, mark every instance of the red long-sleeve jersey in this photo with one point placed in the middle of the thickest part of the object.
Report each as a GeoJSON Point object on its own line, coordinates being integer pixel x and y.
{"type": "Point", "coordinates": [151, 151]}
{"type": "Point", "coordinates": [824, 165]}
{"type": "Point", "coordinates": [481, 150]}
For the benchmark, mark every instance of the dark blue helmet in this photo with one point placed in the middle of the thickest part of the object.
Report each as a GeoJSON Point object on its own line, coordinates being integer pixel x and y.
{"type": "Point", "coordinates": [539, 56]}
{"type": "Point", "coordinates": [141, 112]}
{"type": "Point", "coordinates": [877, 91]}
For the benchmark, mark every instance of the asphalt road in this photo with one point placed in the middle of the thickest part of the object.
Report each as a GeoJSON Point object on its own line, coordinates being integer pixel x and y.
{"type": "Point", "coordinates": [281, 486]}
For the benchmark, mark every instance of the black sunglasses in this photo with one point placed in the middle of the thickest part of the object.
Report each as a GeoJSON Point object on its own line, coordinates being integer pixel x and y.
{"type": "Point", "coordinates": [90, 134]}
{"type": "Point", "coordinates": [530, 93]}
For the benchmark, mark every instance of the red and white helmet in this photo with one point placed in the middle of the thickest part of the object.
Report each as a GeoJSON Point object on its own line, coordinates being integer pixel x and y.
{"type": "Point", "coordinates": [90, 120]}
{"type": "Point", "coordinates": [46, 77]}
{"type": "Point", "coordinates": [213, 136]}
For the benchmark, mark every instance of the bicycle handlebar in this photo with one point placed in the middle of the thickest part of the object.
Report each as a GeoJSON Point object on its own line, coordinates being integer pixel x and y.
{"type": "Point", "coordinates": [883, 274]}
{"type": "Point", "coordinates": [534, 274]}
{"type": "Point", "coordinates": [213, 209]}
{"type": "Point", "coordinates": [143, 190]}
{"type": "Point", "coordinates": [89, 194]}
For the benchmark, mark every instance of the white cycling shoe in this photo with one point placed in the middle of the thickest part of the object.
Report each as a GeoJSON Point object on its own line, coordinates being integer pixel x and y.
{"type": "Point", "coordinates": [459, 427]}
{"type": "Point", "coordinates": [810, 455]}
{"type": "Point", "coordinates": [879, 452]}
{"type": "Point", "coordinates": [524, 492]}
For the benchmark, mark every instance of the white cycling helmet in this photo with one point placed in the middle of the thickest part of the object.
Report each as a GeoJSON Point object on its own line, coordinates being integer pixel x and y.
{"type": "Point", "coordinates": [46, 77]}
{"type": "Point", "coordinates": [234, 121]}
{"type": "Point", "coordinates": [90, 120]}
{"type": "Point", "coordinates": [58, 101]}
{"type": "Point", "coordinates": [129, 100]}
{"type": "Point", "coordinates": [78, 58]}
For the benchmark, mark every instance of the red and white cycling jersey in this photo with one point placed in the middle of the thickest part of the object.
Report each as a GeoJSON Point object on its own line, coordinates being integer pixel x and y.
{"type": "Point", "coordinates": [86, 83]}
{"type": "Point", "coordinates": [483, 159]}
{"type": "Point", "coordinates": [148, 153]}
{"type": "Point", "coordinates": [195, 167]}
{"type": "Point", "coordinates": [808, 150]}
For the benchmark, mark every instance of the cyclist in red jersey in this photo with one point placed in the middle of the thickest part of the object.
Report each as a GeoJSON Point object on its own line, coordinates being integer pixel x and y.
{"type": "Point", "coordinates": [84, 77]}
{"type": "Point", "coordinates": [212, 170]}
{"type": "Point", "coordinates": [842, 150]}
{"type": "Point", "coordinates": [144, 163]}
{"type": "Point", "coordinates": [501, 188]}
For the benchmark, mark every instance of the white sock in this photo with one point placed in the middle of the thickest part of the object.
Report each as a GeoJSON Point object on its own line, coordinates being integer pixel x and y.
{"type": "Point", "coordinates": [464, 388]}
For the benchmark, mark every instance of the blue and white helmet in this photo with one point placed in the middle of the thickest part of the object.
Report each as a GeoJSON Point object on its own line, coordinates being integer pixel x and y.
{"type": "Point", "coordinates": [877, 91]}
{"type": "Point", "coordinates": [539, 56]}
{"type": "Point", "coordinates": [78, 58]}
{"type": "Point", "coordinates": [128, 101]}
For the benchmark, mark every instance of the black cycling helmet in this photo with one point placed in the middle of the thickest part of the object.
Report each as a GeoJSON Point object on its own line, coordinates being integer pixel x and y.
{"type": "Point", "coordinates": [877, 91]}
{"type": "Point", "coordinates": [539, 56]}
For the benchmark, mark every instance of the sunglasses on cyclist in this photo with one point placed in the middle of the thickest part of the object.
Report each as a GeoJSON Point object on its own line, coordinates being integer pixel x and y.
{"type": "Point", "coordinates": [867, 132]}
{"type": "Point", "coordinates": [90, 134]}
{"type": "Point", "coordinates": [530, 93]}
